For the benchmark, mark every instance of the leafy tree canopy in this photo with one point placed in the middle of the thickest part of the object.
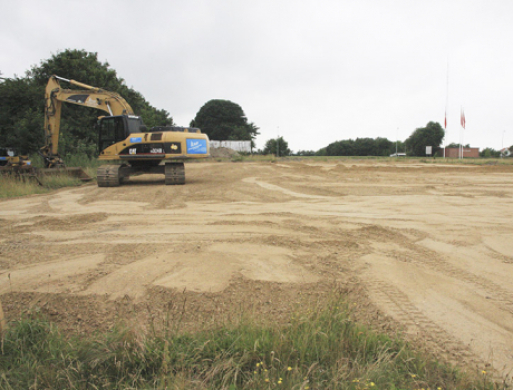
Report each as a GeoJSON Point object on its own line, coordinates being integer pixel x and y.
{"type": "Point", "coordinates": [455, 145]}
{"type": "Point", "coordinates": [22, 104]}
{"type": "Point", "coordinates": [431, 135]}
{"type": "Point", "coordinates": [277, 146]}
{"type": "Point", "coordinates": [489, 153]}
{"type": "Point", "coordinates": [21, 115]}
{"type": "Point", "coordinates": [361, 147]}
{"type": "Point", "coordinates": [305, 153]}
{"type": "Point", "coordinates": [224, 120]}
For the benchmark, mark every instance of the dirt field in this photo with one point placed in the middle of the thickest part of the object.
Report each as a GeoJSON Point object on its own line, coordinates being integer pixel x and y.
{"type": "Point", "coordinates": [426, 247]}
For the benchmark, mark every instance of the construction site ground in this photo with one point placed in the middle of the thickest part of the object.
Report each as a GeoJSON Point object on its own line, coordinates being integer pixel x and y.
{"type": "Point", "coordinates": [421, 249]}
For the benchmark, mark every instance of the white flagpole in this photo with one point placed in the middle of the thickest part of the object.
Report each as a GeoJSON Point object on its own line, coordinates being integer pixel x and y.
{"type": "Point", "coordinates": [461, 132]}
{"type": "Point", "coordinates": [462, 137]}
{"type": "Point", "coordinates": [446, 106]}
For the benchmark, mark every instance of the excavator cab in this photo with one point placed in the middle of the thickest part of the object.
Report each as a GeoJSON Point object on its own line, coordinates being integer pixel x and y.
{"type": "Point", "coordinates": [114, 129]}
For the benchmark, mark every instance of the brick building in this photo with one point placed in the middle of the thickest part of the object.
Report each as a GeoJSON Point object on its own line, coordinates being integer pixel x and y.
{"type": "Point", "coordinates": [455, 152]}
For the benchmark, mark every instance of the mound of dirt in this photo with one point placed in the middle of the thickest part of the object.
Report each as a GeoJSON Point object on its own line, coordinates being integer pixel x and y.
{"type": "Point", "coordinates": [223, 152]}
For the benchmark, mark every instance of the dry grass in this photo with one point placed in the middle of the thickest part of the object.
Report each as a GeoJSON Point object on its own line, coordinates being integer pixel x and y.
{"type": "Point", "coordinates": [13, 186]}
{"type": "Point", "coordinates": [321, 348]}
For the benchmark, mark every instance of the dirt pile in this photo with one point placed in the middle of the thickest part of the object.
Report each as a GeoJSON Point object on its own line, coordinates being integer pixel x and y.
{"type": "Point", "coordinates": [221, 152]}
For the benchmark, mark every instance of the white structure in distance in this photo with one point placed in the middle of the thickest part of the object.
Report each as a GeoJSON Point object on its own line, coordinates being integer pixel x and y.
{"type": "Point", "coordinates": [238, 146]}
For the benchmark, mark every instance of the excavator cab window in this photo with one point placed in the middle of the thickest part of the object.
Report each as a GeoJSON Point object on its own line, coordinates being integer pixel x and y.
{"type": "Point", "coordinates": [111, 130]}
{"type": "Point", "coordinates": [135, 124]}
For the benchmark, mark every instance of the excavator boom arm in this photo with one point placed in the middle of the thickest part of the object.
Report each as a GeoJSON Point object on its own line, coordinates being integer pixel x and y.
{"type": "Point", "coordinates": [100, 99]}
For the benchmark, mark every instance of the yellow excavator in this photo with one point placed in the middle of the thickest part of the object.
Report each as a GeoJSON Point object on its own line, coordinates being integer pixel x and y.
{"type": "Point", "coordinates": [122, 137]}
{"type": "Point", "coordinates": [12, 163]}
{"type": "Point", "coordinates": [9, 157]}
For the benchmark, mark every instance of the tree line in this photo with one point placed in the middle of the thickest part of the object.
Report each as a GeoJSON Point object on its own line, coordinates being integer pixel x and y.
{"type": "Point", "coordinates": [415, 145]}
{"type": "Point", "coordinates": [22, 116]}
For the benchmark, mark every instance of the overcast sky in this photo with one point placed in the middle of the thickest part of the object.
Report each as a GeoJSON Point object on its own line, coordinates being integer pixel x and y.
{"type": "Point", "coordinates": [312, 71]}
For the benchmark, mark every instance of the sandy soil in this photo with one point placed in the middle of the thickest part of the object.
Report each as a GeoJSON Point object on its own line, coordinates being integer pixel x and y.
{"type": "Point", "coordinates": [423, 247]}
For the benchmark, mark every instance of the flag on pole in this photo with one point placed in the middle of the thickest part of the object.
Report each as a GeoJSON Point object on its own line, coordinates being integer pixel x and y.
{"type": "Point", "coordinates": [445, 121]}
{"type": "Point", "coordinates": [462, 118]}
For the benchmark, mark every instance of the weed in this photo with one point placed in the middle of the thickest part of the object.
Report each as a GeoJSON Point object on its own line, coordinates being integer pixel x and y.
{"type": "Point", "coordinates": [237, 158]}
{"type": "Point", "coordinates": [12, 186]}
{"type": "Point", "coordinates": [59, 181]}
{"type": "Point", "coordinates": [322, 348]}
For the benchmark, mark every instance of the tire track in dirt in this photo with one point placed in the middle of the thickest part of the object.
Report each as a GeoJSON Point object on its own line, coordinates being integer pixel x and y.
{"type": "Point", "coordinates": [418, 254]}
{"type": "Point", "coordinates": [477, 303]}
{"type": "Point", "coordinates": [418, 325]}
{"type": "Point", "coordinates": [438, 263]}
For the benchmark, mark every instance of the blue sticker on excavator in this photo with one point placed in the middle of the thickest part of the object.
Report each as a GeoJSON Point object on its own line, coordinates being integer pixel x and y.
{"type": "Point", "coordinates": [196, 146]}
{"type": "Point", "coordinates": [135, 139]}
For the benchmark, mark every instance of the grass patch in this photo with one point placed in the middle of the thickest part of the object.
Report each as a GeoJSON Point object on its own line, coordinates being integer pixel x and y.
{"type": "Point", "coordinates": [381, 159]}
{"type": "Point", "coordinates": [468, 161]}
{"type": "Point", "coordinates": [52, 182]}
{"type": "Point", "coordinates": [80, 160]}
{"type": "Point", "coordinates": [13, 186]}
{"type": "Point", "coordinates": [322, 349]}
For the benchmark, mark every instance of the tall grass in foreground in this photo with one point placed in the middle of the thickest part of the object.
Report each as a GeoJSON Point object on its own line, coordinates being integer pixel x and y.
{"type": "Point", "coordinates": [12, 186]}
{"type": "Point", "coordinates": [324, 349]}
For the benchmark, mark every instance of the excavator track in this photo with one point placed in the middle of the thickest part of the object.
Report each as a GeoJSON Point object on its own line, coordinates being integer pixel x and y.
{"type": "Point", "coordinates": [109, 176]}
{"type": "Point", "coordinates": [175, 173]}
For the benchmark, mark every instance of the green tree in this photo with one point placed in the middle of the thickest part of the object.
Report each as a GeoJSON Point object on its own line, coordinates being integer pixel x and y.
{"type": "Point", "coordinates": [455, 145]}
{"type": "Point", "coordinates": [224, 120]}
{"type": "Point", "coordinates": [305, 153]}
{"type": "Point", "coordinates": [397, 145]}
{"type": "Point", "coordinates": [431, 135]}
{"type": "Point", "coordinates": [384, 147]}
{"type": "Point", "coordinates": [489, 153]}
{"type": "Point", "coordinates": [21, 115]}
{"type": "Point", "coordinates": [22, 104]}
{"type": "Point", "coordinates": [341, 148]}
{"type": "Point", "coordinates": [277, 146]}
{"type": "Point", "coordinates": [359, 147]}
{"type": "Point", "coordinates": [365, 147]}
